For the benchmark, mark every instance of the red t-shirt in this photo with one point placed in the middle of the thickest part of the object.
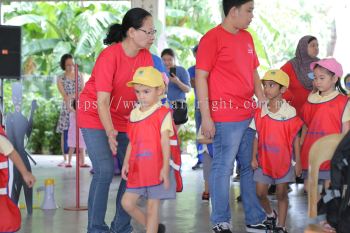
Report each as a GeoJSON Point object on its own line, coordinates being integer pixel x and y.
{"type": "Point", "coordinates": [113, 69]}
{"type": "Point", "coordinates": [296, 94]}
{"type": "Point", "coordinates": [231, 61]}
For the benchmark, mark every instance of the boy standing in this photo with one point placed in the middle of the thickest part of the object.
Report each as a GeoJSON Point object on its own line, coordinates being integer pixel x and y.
{"type": "Point", "coordinates": [277, 127]}
{"type": "Point", "coordinates": [146, 164]}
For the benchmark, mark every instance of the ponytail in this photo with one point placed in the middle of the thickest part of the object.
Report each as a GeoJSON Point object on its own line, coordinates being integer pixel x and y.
{"type": "Point", "coordinates": [115, 34]}
{"type": "Point", "coordinates": [134, 18]}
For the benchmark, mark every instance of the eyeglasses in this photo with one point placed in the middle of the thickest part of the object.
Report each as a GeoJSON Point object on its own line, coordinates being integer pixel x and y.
{"type": "Point", "coordinates": [150, 33]}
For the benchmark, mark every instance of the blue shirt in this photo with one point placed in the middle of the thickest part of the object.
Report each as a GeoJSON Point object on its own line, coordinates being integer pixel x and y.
{"type": "Point", "coordinates": [192, 72]}
{"type": "Point", "coordinates": [158, 63]}
{"type": "Point", "coordinates": [174, 91]}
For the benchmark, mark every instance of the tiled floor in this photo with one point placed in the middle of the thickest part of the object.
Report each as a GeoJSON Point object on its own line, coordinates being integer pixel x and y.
{"type": "Point", "coordinates": [187, 214]}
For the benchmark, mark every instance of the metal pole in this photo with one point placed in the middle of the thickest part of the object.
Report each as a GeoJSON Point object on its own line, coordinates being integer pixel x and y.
{"type": "Point", "coordinates": [77, 134]}
{"type": "Point", "coordinates": [1, 83]}
{"type": "Point", "coordinates": [77, 183]}
{"type": "Point", "coordinates": [1, 101]}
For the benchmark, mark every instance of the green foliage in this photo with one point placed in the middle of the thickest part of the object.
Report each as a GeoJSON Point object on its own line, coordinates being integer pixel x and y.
{"type": "Point", "coordinates": [53, 29]}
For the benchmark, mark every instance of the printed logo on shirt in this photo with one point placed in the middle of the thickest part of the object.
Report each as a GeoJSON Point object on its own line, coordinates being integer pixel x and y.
{"type": "Point", "coordinates": [250, 49]}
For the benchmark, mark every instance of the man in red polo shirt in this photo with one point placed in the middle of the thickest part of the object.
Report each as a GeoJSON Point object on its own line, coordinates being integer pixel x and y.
{"type": "Point", "coordinates": [226, 80]}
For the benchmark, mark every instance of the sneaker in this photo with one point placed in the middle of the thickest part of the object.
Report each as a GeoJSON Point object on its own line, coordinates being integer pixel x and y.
{"type": "Point", "coordinates": [205, 196]}
{"type": "Point", "coordinates": [236, 178]}
{"type": "Point", "coordinates": [280, 230]}
{"type": "Point", "coordinates": [270, 222]}
{"type": "Point", "coordinates": [222, 227]}
{"type": "Point", "coordinates": [68, 165]}
{"type": "Point", "coordinates": [272, 190]}
{"type": "Point", "coordinates": [197, 166]}
{"type": "Point", "coordinates": [161, 228]}
{"type": "Point", "coordinates": [62, 164]}
{"type": "Point", "coordinates": [260, 227]}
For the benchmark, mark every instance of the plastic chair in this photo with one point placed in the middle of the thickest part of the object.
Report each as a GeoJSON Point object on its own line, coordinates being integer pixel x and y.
{"type": "Point", "coordinates": [321, 151]}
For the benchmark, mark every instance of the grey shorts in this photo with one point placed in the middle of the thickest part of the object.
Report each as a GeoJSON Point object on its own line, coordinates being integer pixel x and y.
{"type": "Point", "coordinates": [322, 175]}
{"type": "Point", "coordinates": [259, 177]}
{"type": "Point", "coordinates": [206, 166]}
{"type": "Point", "coordinates": [158, 191]}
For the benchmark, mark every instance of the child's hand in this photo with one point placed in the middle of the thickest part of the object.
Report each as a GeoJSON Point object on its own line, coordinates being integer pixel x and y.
{"type": "Point", "coordinates": [164, 176]}
{"type": "Point", "coordinates": [298, 169]}
{"type": "Point", "coordinates": [125, 171]}
{"type": "Point", "coordinates": [112, 141]}
{"type": "Point", "coordinates": [254, 163]}
{"type": "Point", "coordinates": [29, 179]}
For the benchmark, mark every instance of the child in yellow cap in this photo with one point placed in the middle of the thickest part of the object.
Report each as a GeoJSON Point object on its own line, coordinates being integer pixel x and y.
{"type": "Point", "coordinates": [277, 127]}
{"type": "Point", "coordinates": [146, 164]}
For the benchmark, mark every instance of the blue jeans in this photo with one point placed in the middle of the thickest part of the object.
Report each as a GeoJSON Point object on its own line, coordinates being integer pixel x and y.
{"type": "Point", "coordinates": [103, 164]}
{"type": "Point", "coordinates": [198, 120]}
{"type": "Point", "coordinates": [233, 139]}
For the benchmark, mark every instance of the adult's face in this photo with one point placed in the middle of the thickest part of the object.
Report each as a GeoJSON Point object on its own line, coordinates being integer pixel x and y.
{"type": "Point", "coordinates": [144, 36]}
{"type": "Point", "coordinates": [312, 48]}
{"type": "Point", "coordinates": [243, 15]}
{"type": "Point", "coordinates": [168, 60]}
{"type": "Point", "coordinates": [69, 65]}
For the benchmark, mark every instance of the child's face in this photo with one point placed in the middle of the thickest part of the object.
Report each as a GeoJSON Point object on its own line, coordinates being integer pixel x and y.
{"type": "Point", "coordinates": [323, 81]}
{"type": "Point", "coordinates": [272, 89]}
{"type": "Point", "coordinates": [147, 96]}
{"type": "Point", "coordinates": [312, 48]}
{"type": "Point", "coordinates": [347, 83]}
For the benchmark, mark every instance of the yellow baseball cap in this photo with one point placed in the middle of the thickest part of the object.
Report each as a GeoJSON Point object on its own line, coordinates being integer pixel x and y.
{"type": "Point", "coordinates": [147, 76]}
{"type": "Point", "coordinates": [277, 76]}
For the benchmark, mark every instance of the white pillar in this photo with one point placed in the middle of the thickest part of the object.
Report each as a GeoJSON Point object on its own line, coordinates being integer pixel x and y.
{"type": "Point", "coordinates": [157, 9]}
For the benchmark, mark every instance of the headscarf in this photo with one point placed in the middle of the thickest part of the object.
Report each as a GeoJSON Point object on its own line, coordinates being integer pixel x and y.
{"type": "Point", "coordinates": [301, 62]}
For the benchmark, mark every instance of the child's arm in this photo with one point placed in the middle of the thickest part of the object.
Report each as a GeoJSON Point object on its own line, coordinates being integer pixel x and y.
{"type": "Point", "coordinates": [254, 162]}
{"type": "Point", "coordinates": [125, 168]}
{"type": "Point", "coordinates": [165, 142]}
{"type": "Point", "coordinates": [28, 178]}
{"type": "Point", "coordinates": [298, 169]}
{"type": "Point", "coordinates": [303, 135]}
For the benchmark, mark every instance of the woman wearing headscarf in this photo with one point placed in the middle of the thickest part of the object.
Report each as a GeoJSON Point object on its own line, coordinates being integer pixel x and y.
{"type": "Point", "coordinates": [298, 70]}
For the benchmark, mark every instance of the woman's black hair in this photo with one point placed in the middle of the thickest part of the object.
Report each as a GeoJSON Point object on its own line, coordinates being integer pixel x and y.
{"type": "Point", "coordinates": [228, 4]}
{"type": "Point", "coordinates": [312, 38]}
{"type": "Point", "coordinates": [132, 19]}
{"type": "Point", "coordinates": [169, 52]}
{"type": "Point", "coordinates": [64, 58]}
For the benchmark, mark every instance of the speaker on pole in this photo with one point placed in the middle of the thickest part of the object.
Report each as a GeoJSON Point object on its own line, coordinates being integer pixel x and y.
{"type": "Point", "coordinates": [10, 52]}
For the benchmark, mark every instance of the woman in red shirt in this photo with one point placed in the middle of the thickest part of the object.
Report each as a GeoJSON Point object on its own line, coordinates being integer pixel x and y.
{"type": "Point", "coordinates": [298, 70]}
{"type": "Point", "coordinates": [103, 111]}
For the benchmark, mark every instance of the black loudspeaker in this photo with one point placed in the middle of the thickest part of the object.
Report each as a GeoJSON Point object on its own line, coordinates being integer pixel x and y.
{"type": "Point", "coordinates": [10, 52]}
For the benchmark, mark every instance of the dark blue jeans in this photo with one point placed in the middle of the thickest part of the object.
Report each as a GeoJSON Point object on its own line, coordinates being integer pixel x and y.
{"type": "Point", "coordinates": [103, 164]}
